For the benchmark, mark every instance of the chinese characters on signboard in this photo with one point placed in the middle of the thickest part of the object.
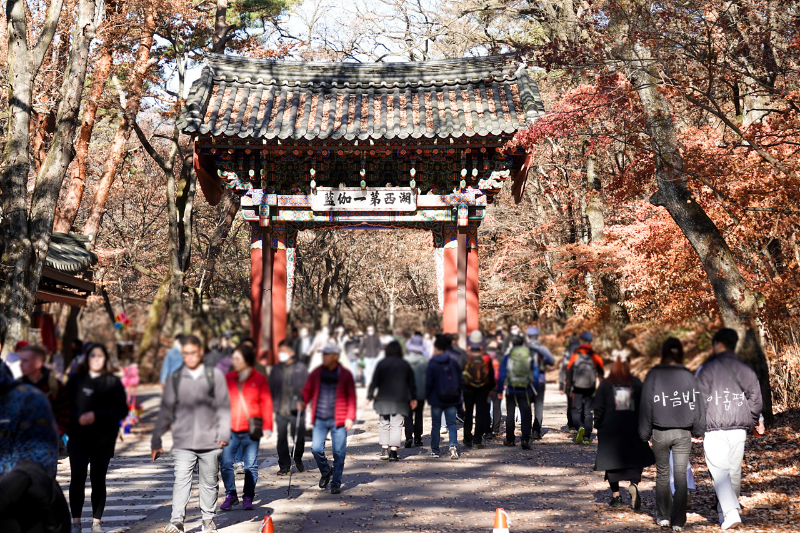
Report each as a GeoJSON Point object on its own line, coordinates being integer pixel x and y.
{"type": "Point", "coordinates": [357, 199]}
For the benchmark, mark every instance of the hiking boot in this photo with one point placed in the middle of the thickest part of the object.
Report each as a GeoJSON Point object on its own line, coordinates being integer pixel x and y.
{"type": "Point", "coordinates": [76, 528]}
{"type": "Point", "coordinates": [526, 444]}
{"type": "Point", "coordinates": [536, 435]}
{"type": "Point", "coordinates": [417, 442]}
{"type": "Point", "coordinates": [247, 504]}
{"type": "Point", "coordinates": [324, 480]}
{"type": "Point", "coordinates": [298, 464]}
{"type": "Point", "coordinates": [616, 502]}
{"type": "Point", "coordinates": [230, 501]}
{"type": "Point", "coordinates": [336, 490]}
{"type": "Point", "coordinates": [209, 526]}
{"type": "Point", "coordinates": [409, 443]}
{"type": "Point", "coordinates": [96, 527]}
{"type": "Point", "coordinates": [172, 527]}
{"type": "Point", "coordinates": [579, 436]}
{"type": "Point", "coordinates": [636, 500]}
{"type": "Point", "coordinates": [238, 468]}
{"type": "Point", "coordinates": [509, 443]}
{"type": "Point", "coordinates": [435, 455]}
{"type": "Point", "coordinates": [453, 453]}
{"type": "Point", "coordinates": [384, 454]}
{"type": "Point", "coordinates": [393, 455]}
{"type": "Point", "coordinates": [283, 472]}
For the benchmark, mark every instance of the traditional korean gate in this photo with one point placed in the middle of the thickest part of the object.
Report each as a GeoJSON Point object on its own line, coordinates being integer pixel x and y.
{"type": "Point", "coordinates": [315, 145]}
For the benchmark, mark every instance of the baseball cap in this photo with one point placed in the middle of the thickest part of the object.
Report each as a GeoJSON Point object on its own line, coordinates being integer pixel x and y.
{"type": "Point", "coordinates": [586, 336]}
{"type": "Point", "coordinates": [532, 331]}
{"type": "Point", "coordinates": [475, 340]}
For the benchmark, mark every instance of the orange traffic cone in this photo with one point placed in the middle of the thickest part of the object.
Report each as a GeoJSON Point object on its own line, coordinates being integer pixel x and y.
{"type": "Point", "coordinates": [267, 527]}
{"type": "Point", "coordinates": [500, 521]}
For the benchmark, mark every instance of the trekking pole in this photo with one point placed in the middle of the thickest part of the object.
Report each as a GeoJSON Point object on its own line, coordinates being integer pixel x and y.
{"type": "Point", "coordinates": [294, 447]}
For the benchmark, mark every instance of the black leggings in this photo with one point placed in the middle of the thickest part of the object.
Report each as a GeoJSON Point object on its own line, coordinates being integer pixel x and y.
{"type": "Point", "coordinates": [79, 458]}
{"type": "Point", "coordinates": [614, 485]}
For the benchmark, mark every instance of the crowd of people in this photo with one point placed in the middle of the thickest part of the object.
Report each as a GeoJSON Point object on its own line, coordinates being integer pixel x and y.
{"type": "Point", "coordinates": [219, 402]}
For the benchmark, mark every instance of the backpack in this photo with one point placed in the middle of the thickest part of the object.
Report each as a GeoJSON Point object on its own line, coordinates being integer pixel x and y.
{"type": "Point", "coordinates": [448, 387]}
{"type": "Point", "coordinates": [176, 379]}
{"type": "Point", "coordinates": [584, 373]}
{"type": "Point", "coordinates": [476, 373]}
{"type": "Point", "coordinates": [518, 372]}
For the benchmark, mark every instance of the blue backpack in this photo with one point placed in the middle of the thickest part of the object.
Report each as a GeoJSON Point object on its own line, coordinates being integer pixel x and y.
{"type": "Point", "coordinates": [448, 386]}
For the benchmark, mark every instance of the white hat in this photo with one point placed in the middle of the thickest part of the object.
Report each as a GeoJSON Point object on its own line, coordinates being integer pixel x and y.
{"type": "Point", "coordinates": [331, 347]}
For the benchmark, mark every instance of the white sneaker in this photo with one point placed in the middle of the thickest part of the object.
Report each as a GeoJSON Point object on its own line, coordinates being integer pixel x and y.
{"type": "Point", "coordinates": [663, 523]}
{"type": "Point", "coordinates": [732, 520]}
{"type": "Point", "coordinates": [453, 453]}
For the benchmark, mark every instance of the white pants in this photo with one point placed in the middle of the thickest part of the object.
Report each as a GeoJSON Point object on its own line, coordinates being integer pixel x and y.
{"type": "Point", "coordinates": [724, 451]}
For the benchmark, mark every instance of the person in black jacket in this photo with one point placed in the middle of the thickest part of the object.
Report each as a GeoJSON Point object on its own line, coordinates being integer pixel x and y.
{"type": "Point", "coordinates": [620, 451]}
{"type": "Point", "coordinates": [733, 406]}
{"type": "Point", "coordinates": [396, 386]}
{"type": "Point", "coordinates": [672, 411]}
{"type": "Point", "coordinates": [97, 404]}
{"type": "Point", "coordinates": [286, 382]}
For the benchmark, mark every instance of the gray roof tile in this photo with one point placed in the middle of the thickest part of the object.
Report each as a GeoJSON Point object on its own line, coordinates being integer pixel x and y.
{"type": "Point", "coordinates": [260, 98]}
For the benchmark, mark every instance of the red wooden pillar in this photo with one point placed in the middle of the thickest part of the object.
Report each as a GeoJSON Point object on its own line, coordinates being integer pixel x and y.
{"type": "Point", "coordinates": [450, 307]}
{"type": "Point", "coordinates": [255, 295]}
{"type": "Point", "coordinates": [267, 258]}
{"type": "Point", "coordinates": [473, 304]}
{"type": "Point", "coordinates": [279, 312]}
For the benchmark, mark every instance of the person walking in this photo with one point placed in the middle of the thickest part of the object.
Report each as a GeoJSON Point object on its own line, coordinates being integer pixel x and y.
{"type": "Point", "coordinates": [443, 392]}
{"type": "Point", "coordinates": [196, 405]}
{"type": "Point", "coordinates": [620, 451]}
{"type": "Point", "coordinates": [518, 374]}
{"type": "Point", "coordinates": [672, 410]}
{"type": "Point", "coordinates": [585, 367]}
{"type": "Point", "coordinates": [415, 356]}
{"type": "Point", "coordinates": [173, 359]}
{"type": "Point", "coordinates": [572, 344]}
{"type": "Point", "coordinates": [370, 350]}
{"type": "Point", "coordinates": [331, 391]}
{"type": "Point", "coordinates": [251, 418]}
{"type": "Point", "coordinates": [31, 359]}
{"type": "Point", "coordinates": [286, 381]}
{"type": "Point", "coordinates": [478, 376]}
{"type": "Point", "coordinates": [396, 390]}
{"type": "Point", "coordinates": [495, 398]}
{"type": "Point", "coordinates": [733, 407]}
{"type": "Point", "coordinates": [543, 359]}
{"type": "Point", "coordinates": [97, 403]}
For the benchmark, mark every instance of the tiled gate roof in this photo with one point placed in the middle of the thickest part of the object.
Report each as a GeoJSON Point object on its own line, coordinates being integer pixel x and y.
{"type": "Point", "coordinates": [268, 99]}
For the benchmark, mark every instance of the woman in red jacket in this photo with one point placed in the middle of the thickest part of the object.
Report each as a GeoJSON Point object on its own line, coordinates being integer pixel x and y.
{"type": "Point", "coordinates": [251, 402]}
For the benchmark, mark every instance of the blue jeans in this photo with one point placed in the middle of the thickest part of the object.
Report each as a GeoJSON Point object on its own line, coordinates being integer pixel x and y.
{"type": "Point", "coordinates": [450, 420]}
{"type": "Point", "coordinates": [338, 445]}
{"type": "Point", "coordinates": [240, 440]}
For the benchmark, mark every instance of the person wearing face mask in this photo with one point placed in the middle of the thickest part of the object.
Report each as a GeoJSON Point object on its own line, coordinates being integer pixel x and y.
{"type": "Point", "coordinates": [97, 403]}
{"type": "Point", "coordinates": [251, 418]}
{"type": "Point", "coordinates": [286, 381]}
{"type": "Point", "coordinates": [371, 347]}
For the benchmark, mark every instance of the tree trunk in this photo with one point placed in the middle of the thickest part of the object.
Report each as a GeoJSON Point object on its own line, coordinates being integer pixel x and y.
{"type": "Point", "coordinates": [65, 217]}
{"type": "Point", "coordinates": [151, 336]}
{"type": "Point", "coordinates": [26, 236]}
{"type": "Point", "coordinates": [131, 106]}
{"type": "Point", "coordinates": [737, 304]}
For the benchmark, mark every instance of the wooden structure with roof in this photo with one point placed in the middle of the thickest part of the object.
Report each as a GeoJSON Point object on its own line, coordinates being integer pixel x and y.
{"type": "Point", "coordinates": [310, 145]}
{"type": "Point", "coordinates": [68, 257]}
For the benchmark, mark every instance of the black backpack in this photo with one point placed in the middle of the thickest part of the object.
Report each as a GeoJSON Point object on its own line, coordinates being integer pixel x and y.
{"type": "Point", "coordinates": [584, 373]}
{"type": "Point", "coordinates": [448, 386]}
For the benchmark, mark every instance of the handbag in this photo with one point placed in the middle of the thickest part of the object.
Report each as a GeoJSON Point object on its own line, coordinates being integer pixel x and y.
{"type": "Point", "coordinates": [255, 426]}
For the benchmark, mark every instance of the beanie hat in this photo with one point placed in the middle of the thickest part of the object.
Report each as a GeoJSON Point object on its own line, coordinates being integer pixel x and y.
{"type": "Point", "coordinates": [415, 344]}
{"type": "Point", "coordinates": [532, 331]}
{"type": "Point", "coordinates": [20, 345]}
{"type": "Point", "coordinates": [586, 336]}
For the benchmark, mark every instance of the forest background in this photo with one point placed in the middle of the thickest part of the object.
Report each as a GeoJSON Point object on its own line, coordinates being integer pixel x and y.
{"type": "Point", "coordinates": [661, 196]}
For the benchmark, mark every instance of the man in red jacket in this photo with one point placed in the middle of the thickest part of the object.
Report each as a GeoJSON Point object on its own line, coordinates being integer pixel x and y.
{"type": "Point", "coordinates": [332, 393]}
